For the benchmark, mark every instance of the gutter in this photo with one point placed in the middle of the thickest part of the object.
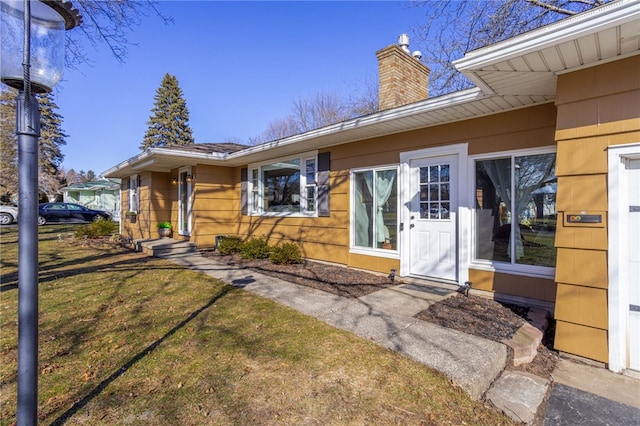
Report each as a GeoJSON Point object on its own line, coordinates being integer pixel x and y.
{"type": "Point", "coordinates": [586, 23]}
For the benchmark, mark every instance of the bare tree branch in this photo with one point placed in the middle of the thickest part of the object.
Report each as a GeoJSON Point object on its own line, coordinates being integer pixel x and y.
{"type": "Point", "coordinates": [108, 22]}
{"type": "Point", "coordinates": [552, 8]}
{"type": "Point", "coordinates": [453, 27]}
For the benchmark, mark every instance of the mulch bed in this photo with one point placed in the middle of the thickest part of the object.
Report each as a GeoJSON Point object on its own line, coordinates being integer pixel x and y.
{"type": "Point", "coordinates": [335, 279]}
{"type": "Point", "coordinates": [463, 313]}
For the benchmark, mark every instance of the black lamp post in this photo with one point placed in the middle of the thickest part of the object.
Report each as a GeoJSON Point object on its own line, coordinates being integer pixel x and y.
{"type": "Point", "coordinates": [35, 31]}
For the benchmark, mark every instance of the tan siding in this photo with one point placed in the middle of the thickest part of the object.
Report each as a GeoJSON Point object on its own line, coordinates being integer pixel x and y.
{"type": "Point", "coordinates": [529, 128]}
{"type": "Point", "coordinates": [597, 108]}
{"type": "Point", "coordinates": [582, 305]}
{"type": "Point", "coordinates": [582, 267]}
{"type": "Point", "coordinates": [371, 263]}
{"type": "Point", "coordinates": [522, 286]}
{"type": "Point", "coordinates": [583, 192]}
{"type": "Point", "coordinates": [583, 341]}
{"type": "Point", "coordinates": [599, 82]}
{"type": "Point", "coordinates": [582, 156]}
{"type": "Point", "coordinates": [584, 237]}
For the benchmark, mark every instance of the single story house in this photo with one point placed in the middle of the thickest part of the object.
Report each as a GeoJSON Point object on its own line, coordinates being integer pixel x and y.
{"type": "Point", "coordinates": [527, 185]}
{"type": "Point", "coordinates": [103, 194]}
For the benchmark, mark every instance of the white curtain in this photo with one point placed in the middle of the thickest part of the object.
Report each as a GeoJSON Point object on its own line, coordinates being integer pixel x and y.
{"type": "Point", "coordinates": [384, 187]}
{"type": "Point", "coordinates": [377, 195]}
{"type": "Point", "coordinates": [499, 172]}
{"type": "Point", "coordinates": [531, 173]}
{"type": "Point", "coordinates": [362, 224]}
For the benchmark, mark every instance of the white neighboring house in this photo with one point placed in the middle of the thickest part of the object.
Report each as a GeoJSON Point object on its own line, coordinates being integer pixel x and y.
{"type": "Point", "coordinates": [102, 194]}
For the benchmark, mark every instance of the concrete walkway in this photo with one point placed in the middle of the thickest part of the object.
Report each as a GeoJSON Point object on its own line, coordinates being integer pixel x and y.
{"type": "Point", "coordinates": [579, 394]}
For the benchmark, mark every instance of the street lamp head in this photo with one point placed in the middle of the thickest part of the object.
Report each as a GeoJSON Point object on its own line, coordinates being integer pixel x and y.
{"type": "Point", "coordinates": [49, 20]}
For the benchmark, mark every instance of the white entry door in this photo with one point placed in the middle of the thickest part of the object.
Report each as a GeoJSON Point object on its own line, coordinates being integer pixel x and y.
{"type": "Point", "coordinates": [633, 178]}
{"type": "Point", "coordinates": [433, 217]}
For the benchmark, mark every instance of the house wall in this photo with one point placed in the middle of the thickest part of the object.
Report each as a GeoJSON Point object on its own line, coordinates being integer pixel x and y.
{"type": "Point", "coordinates": [597, 108]}
{"type": "Point", "coordinates": [216, 204]}
{"type": "Point", "coordinates": [156, 202]}
{"type": "Point", "coordinates": [217, 201]}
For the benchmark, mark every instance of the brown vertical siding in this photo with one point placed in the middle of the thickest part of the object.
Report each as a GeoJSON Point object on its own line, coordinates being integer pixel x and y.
{"type": "Point", "coordinates": [597, 107]}
{"type": "Point", "coordinates": [514, 285]}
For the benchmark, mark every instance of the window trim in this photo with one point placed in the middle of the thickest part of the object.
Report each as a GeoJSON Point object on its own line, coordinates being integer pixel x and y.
{"type": "Point", "coordinates": [253, 210]}
{"type": "Point", "coordinates": [134, 192]}
{"type": "Point", "coordinates": [373, 251]}
{"type": "Point", "coordinates": [496, 266]}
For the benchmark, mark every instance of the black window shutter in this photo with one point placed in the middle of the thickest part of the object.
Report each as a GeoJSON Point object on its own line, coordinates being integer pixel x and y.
{"type": "Point", "coordinates": [244, 196]}
{"type": "Point", "coordinates": [324, 165]}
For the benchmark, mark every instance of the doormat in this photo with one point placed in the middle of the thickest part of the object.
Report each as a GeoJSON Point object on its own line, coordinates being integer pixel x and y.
{"type": "Point", "coordinates": [428, 289]}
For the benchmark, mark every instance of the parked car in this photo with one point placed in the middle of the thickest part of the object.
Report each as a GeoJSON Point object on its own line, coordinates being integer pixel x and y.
{"type": "Point", "coordinates": [69, 212]}
{"type": "Point", "coordinates": [8, 214]}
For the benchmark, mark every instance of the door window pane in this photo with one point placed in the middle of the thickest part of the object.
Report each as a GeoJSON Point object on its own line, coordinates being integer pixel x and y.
{"type": "Point", "coordinates": [434, 189]}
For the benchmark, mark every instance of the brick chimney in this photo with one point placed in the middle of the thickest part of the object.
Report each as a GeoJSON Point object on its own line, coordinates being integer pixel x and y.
{"type": "Point", "coordinates": [402, 77]}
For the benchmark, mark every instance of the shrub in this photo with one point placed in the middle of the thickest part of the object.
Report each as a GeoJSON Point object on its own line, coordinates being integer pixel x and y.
{"type": "Point", "coordinates": [229, 245]}
{"type": "Point", "coordinates": [285, 253]}
{"type": "Point", "coordinates": [99, 228]}
{"type": "Point", "coordinates": [255, 248]}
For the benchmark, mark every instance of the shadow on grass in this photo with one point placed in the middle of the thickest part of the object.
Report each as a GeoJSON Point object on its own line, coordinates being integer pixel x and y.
{"type": "Point", "coordinates": [146, 351]}
{"type": "Point", "coordinates": [46, 274]}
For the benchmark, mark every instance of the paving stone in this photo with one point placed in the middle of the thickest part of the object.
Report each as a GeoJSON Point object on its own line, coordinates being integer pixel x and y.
{"type": "Point", "coordinates": [518, 395]}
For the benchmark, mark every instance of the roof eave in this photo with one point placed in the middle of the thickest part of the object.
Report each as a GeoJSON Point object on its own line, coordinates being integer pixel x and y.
{"type": "Point", "coordinates": [360, 128]}
{"type": "Point", "coordinates": [585, 23]}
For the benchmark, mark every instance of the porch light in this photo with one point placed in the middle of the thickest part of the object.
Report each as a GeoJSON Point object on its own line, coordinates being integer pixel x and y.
{"type": "Point", "coordinates": [191, 177]}
{"type": "Point", "coordinates": [32, 51]}
{"type": "Point", "coordinates": [174, 180]}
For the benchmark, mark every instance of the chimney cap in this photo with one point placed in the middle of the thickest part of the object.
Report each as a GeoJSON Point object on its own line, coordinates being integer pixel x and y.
{"type": "Point", "coordinates": [403, 42]}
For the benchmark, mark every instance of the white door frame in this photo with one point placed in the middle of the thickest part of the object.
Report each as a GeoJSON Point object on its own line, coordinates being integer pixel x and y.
{"type": "Point", "coordinates": [618, 242]}
{"type": "Point", "coordinates": [464, 214]}
{"type": "Point", "coordinates": [188, 184]}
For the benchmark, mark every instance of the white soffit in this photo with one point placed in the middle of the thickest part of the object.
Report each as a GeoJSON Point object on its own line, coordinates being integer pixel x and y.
{"type": "Point", "coordinates": [528, 64]}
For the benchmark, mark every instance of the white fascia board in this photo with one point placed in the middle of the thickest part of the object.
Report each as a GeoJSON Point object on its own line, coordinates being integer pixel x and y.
{"type": "Point", "coordinates": [573, 28]}
{"type": "Point", "coordinates": [126, 163]}
{"type": "Point", "coordinates": [146, 158]}
{"type": "Point", "coordinates": [366, 121]}
{"type": "Point", "coordinates": [192, 155]}
{"type": "Point", "coordinates": [269, 150]}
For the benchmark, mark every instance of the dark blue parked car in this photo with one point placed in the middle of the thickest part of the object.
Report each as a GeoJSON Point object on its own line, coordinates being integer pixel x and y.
{"type": "Point", "coordinates": [69, 212]}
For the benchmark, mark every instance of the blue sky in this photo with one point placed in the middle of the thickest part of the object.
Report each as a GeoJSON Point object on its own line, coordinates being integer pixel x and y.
{"type": "Point", "coordinates": [240, 66]}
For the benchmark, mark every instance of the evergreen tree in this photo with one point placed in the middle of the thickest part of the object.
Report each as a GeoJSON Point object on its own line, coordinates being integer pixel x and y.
{"type": "Point", "coordinates": [169, 122]}
{"type": "Point", "coordinates": [8, 143]}
{"type": "Point", "coordinates": [52, 138]}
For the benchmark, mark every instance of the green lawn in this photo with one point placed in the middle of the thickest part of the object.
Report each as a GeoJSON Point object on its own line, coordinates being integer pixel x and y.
{"type": "Point", "coordinates": [129, 339]}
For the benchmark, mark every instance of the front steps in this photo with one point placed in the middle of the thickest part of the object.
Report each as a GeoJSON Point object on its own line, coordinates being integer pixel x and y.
{"type": "Point", "coordinates": [165, 247]}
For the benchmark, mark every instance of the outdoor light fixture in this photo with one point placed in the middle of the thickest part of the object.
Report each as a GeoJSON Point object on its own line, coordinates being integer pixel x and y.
{"type": "Point", "coordinates": [32, 51]}
{"type": "Point", "coordinates": [174, 180]}
{"type": "Point", "coordinates": [190, 177]}
{"type": "Point", "coordinates": [49, 20]}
